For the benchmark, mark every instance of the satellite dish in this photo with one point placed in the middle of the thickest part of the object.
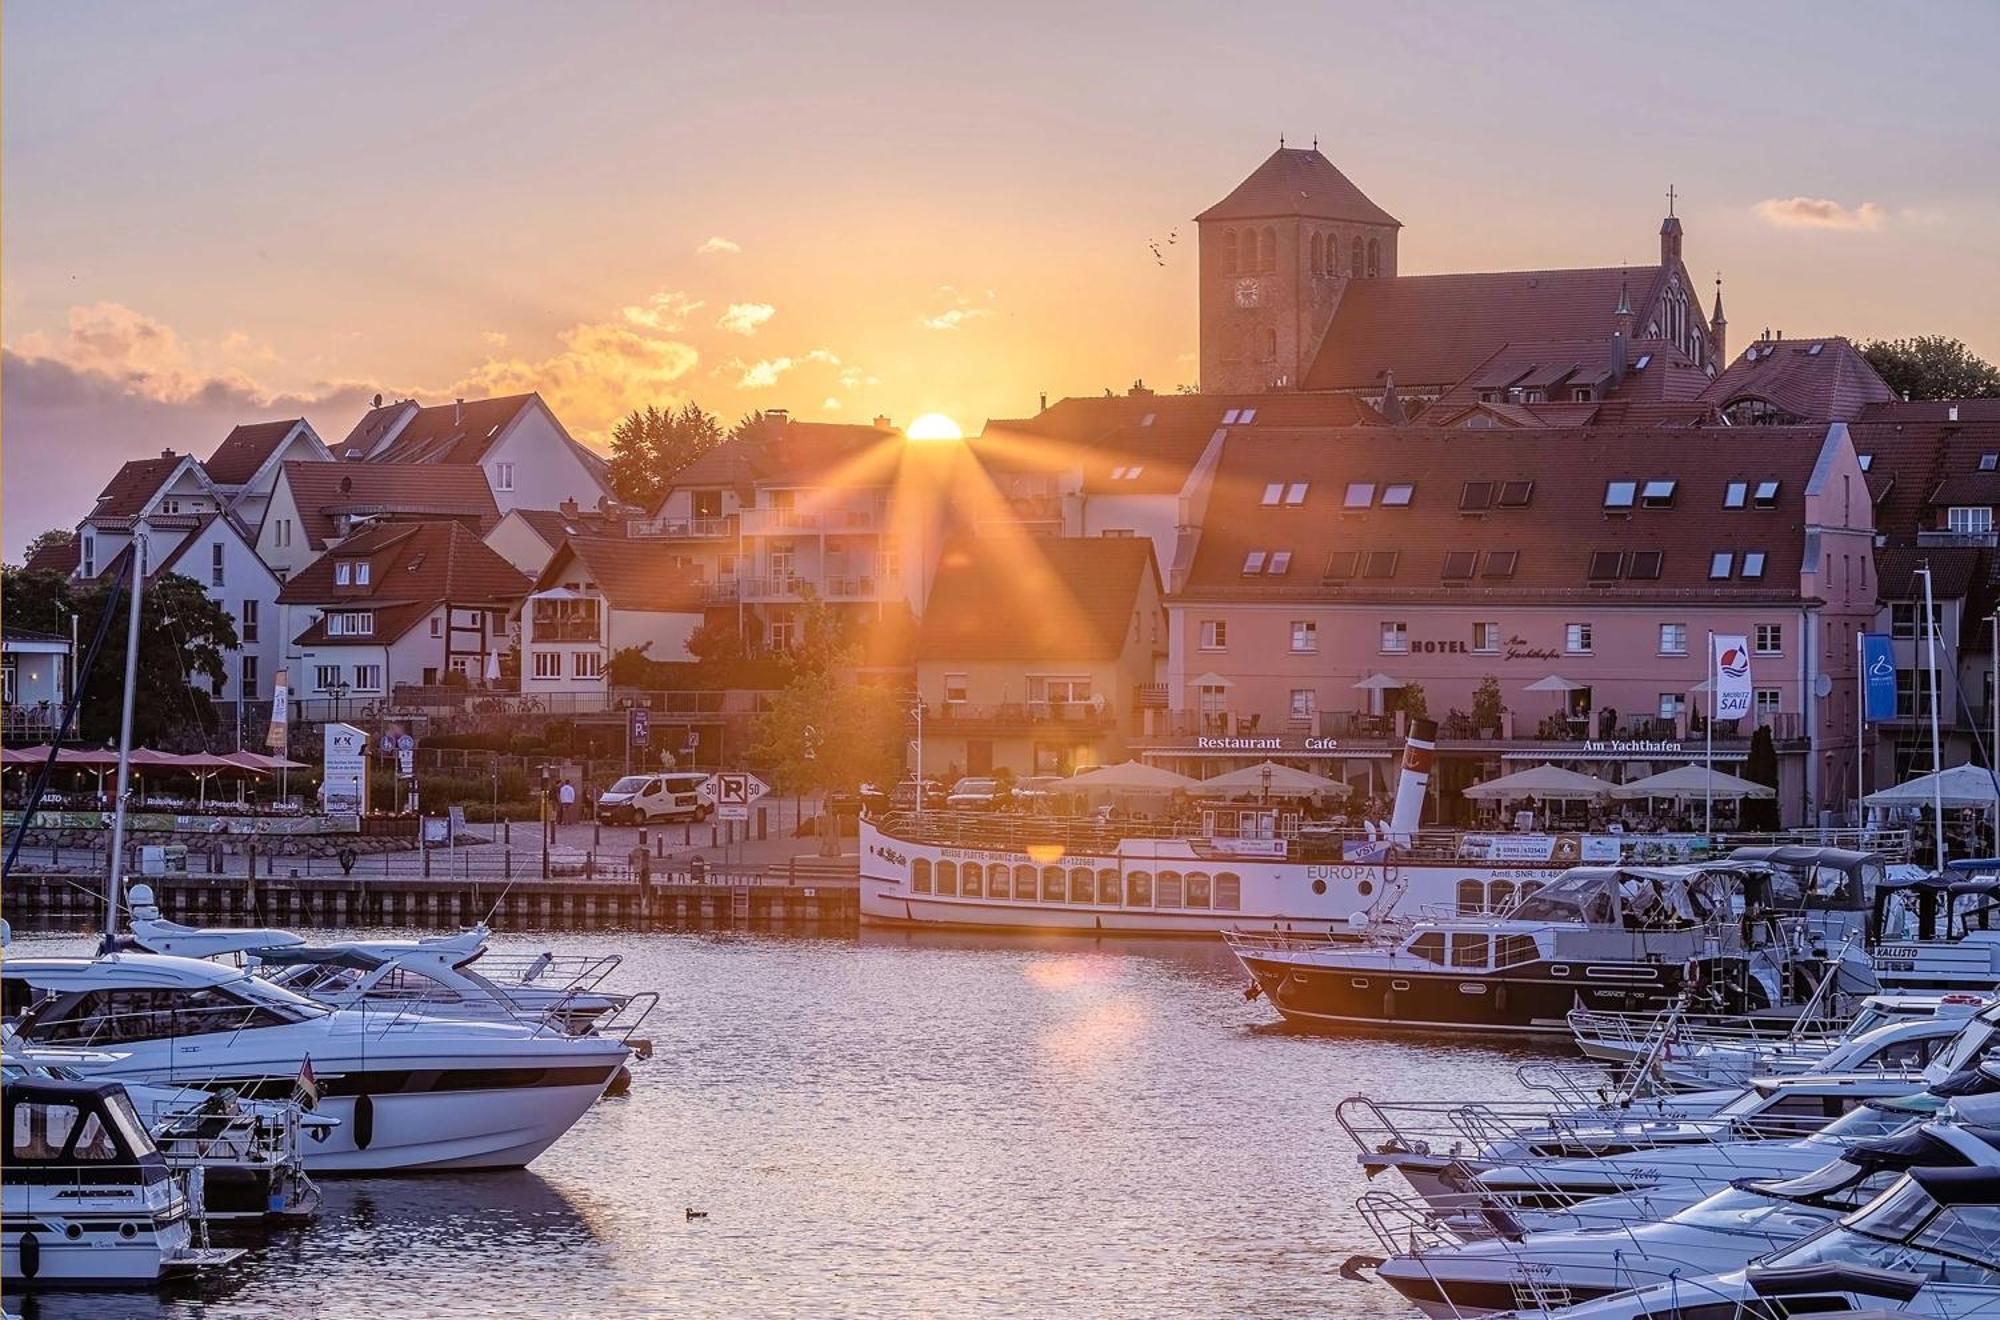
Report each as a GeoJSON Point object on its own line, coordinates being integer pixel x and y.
{"type": "Point", "coordinates": [1823, 686]}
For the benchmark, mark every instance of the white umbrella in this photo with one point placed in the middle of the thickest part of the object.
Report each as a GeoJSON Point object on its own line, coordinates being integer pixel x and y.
{"type": "Point", "coordinates": [1686, 782]}
{"type": "Point", "coordinates": [1213, 679]}
{"type": "Point", "coordinates": [1555, 683]}
{"type": "Point", "coordinates": [1125, 777]}
{"type": "Point", "coordinates": [1379, 683]}
{"type": "Point", "coordinates": [1279, 780]}
{"type": "Point", "coordinates": [1545, 782]}
{"type": "Point", "coordinates": [1959, 786]}
{"type": "Point", "coordinates": [492, 666]}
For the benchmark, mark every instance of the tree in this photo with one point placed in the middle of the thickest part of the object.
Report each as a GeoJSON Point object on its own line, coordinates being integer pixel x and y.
{"type": "Point", "coordinates": [182, 635]}
{"type": "Point", "coordinates": [821, 735]}
{"type": "Point", "coordinates": [650, 447]}
{"type": "Point", "coordinates": [1761, 767]}
{"type": "Point", "coordinates": [54, 537]}
{"type": "Point", "coordinates": [1932, 367]}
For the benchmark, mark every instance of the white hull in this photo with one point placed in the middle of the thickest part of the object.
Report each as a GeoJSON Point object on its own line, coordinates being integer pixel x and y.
{"type": "Point", "coordinates": [449, 1130]}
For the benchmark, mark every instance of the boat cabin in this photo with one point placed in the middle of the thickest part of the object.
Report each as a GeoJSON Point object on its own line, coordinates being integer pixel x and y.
{"type": "Point", "coordinates": [137, 997]}
{"type": "Point", "coordinates": [56, 1128]}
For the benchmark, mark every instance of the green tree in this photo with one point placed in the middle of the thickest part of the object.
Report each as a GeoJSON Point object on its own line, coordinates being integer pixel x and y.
{"type": "Point", "coordinates": [1932, 367]}
{"type": "Point", "coordinates": [652, 445]}
{"type": "Point", "coordinates": [55, 536]}
{"type": "Point", "coordinates": [1761, 767]}
{"type": "Point", "coordinates": [182, 635]}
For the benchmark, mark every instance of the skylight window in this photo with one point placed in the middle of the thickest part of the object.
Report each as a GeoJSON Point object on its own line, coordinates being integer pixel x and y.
{"type": "Point", "coordinates": [1516, 494]}
{"type": "Point", "coordinates": [1126, 473]}
{"type": "Point", "coordinates": [1398, 494]}
{"type": "Point", "coordinates": [1720, 565]}
{"type": "Point", "coordinates": [1459, 565]}
{"type": "Point", "coordinates": [1381, 564]}
{"type": "Point", "coordinates": [1342, 565]}
{"type": "Point", "coordinates": [1644, 565]}
{"type": "Point", "coordinates": [1620, 494]}
{"type": "Point", "coordinates": [1606, 565]}
{"type": "Point", "coordinates": [1641, 364]}
{"type": "Point", "coordinates": [1147, 420]}
{"type": "Point", "coordinates": [1735, 494]}
{"type": "Point", "coordinates": [1753, 564]}
{"type": "Point", "coordinates": [1475, 497]}
{"type": "Point", "coordinates": [1766, 496]}
{"type": "Point", "coordinates": [1502, 563]}
{"type": "Point", "coordinates": [1295, 494]}
{"type": "Point", "coordinates": [1229, 418]}
{"type": "Point", "coordinates": [1253, 563]}
{"type": "Point", "coordinates": [1280, 564]}
{"type": "Point", "coordinates": [1247, 416]}
{"type": "Point", "coordinates": [1814, 350]}
{"type": "Point", "coordinates": [1657, 494]}
{"type": "Point", "coordinates": [1866, 460]}
{"type": "Point", "coordinates": [1273, 493]}
{"type": "Point", "coordinates": [1239, 417]}
{"type": "Point", "coordinates": [1360, 495]}
{"type": "Point", "coordinates": [1988, 462]}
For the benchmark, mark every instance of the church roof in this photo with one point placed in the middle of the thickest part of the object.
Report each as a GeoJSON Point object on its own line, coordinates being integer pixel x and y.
{"type": "Point", "coordinates": [1295, 181]}
{"type": "Point", "coordinates": [1433, 330]}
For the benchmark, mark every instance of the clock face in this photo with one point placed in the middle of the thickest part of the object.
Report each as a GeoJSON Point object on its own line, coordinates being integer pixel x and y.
{"type": "Point", "coordinates": [1248, 292]}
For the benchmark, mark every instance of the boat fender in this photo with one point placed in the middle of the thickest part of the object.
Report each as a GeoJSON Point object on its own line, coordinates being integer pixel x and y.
{"type": "Point", "coordinates": [1500, 997]}
{"type": "Point", "coordinates": [1252, 992]}
{"type": "Point", "coordinates": [364, 1121]}
{"type": "Point", "coordinates": [1388, 1005]}
{"type": "Point", "coordinates": [31, 1255]}
{"type": "Point", "coordinates": [621, 1082]}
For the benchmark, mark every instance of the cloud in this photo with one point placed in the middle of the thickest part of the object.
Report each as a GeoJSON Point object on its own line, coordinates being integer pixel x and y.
{"type": "Point", "coordinates": [717, 245]}
{"type": "Point", "coordinates": [602, 371]}
{"type": "Point", "coordinates": [763, 375]}
{"type": "Point", "coordinates": [744, 318]}
{"type": "Point", "coordinates": [830, 403]}
{"type": "Point", "coordinates": [1818, 213]}
{"type": "Point", "coordinates": [494, 338]}
{"type": "Point", "coordinates": [962, 309]}
{"type": "Point", "coordinates": [667, 310]}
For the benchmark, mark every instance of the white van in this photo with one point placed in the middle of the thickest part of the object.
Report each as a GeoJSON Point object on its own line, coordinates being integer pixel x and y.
{"type": "Point", "coordinates": [637, 799]}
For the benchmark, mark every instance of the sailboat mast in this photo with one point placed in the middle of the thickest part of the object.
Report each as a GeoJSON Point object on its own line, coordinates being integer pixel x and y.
{"type": "Point", "coordinates": [114, 887]}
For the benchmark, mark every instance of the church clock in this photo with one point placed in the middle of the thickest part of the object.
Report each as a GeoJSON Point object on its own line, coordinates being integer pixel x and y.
{"type": "Point", "coordinates": [1249, 292]}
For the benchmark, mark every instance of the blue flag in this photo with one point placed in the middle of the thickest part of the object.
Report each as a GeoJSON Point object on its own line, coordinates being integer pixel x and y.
{"type": "Point", "coordinates": [1878, 677]}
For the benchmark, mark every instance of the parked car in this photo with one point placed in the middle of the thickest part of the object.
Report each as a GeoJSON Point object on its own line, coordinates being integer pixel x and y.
{"type": "Point", "coordinates": [637, 799]}
{"type": "Point", "coordinates": [970, 794]}
{"type": "Point", "coordinates": [1036, 790]}
{"type": "Point", "coordinates": [903, 797]}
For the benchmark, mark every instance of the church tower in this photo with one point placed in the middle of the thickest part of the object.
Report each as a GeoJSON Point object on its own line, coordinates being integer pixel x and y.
{"type": "Point", "coordinates": [1277, 255]}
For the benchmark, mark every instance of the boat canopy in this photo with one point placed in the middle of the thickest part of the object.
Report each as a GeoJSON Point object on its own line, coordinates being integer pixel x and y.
{"type": "Point", "coordinates": [1633, 896]}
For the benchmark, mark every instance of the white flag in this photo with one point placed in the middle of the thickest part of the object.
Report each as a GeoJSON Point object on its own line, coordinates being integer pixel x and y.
{"type": "Point", "coordinates": [280, 714]}
{"type": "Point", "coordinates": [1731, 675]}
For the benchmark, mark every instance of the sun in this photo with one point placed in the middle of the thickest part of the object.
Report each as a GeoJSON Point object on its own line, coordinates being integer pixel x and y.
{"type": "Point", "coordinates": [934, 426]}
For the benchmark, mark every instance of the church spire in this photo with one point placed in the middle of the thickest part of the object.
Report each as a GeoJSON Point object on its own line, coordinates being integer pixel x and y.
{"type": "Point", "coordinates": [1718, 324]}
{"type": "Point", "coordinates": [1670, 231]}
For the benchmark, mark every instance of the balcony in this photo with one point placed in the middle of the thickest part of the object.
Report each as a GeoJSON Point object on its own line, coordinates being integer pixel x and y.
{"type": "Point", "coordinates": [1931, 537]}
{"type": "Point", "coordinates": [684, 529]}
{"type": "Point", "coordinates": [563, 626]}
{"type": "Point", "coordinates": [779, 522]}
{"type": "Point", "coordinates": [1018, 717]}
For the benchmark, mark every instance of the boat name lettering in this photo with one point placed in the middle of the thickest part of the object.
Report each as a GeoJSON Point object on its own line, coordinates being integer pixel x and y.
{"type": "Point", "coordinates": [1350, 872]}
{"type": "Point", "coordinates": [891, 855]}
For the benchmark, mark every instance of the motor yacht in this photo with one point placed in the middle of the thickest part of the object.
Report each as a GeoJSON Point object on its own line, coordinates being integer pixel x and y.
{"type": "Point", "coordinates": [1938, 932]}
{"type": "Point", "coordinates": [89, 1201]}
{"type": "Point", "coordinates": [410, 1091]}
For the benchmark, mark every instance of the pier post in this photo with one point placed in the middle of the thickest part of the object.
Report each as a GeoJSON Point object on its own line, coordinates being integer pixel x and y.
{"type": "Point", "coordinates": [507, 864]}
{"type": "Point", "coordinates": [427, 858]}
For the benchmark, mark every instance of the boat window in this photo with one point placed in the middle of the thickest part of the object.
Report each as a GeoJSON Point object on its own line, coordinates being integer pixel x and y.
{"type": "Point", "coordinates": [1139, 889]}
{"type": "Point", "coordinates": [1844, 1247]}
{"type": "Point", "coordinates": [40, 1131]}
{"type": "Point", "coordinates": [920, 875]}
{"type": "Point", "coordinates": [971, 879]}
{"type": "Point", "coordinates": [126, 1119]}
{"type": "Point", "coordinates": [1024, 881]}
{"type": "Point", "coordinates": [947, 877]}
{"type": "Point", "coordinates": [1529, 888]}
{"type": "Point", "coordinates": [1107, 887]}
{"type": "Point", "coordinates": [1972, 1231]}
{"type": "Point", "coordinates": [1468, 950]}
{"type": "Point", "coordinates": [1082, 884]}
{"type": "Point", "coordinates": [1429, 946]}
{"type": "Point", "coordinates": [1198, 892]}
{"type": "Point", "coordinates": [1514, 950]}
{"type": "Point", "coordinates": [1052, 884]}
{"type": "Point", "coordinates": [1471, 898]}
{"type": "Point", "coordinates": [94, 1143]}
{"type": "Point", "coordinates": [402, 982]}
{"type": "Point", "coordinates": [1500, 896]}
{"type": "Point", "coordinates": [1170, 889]}
{"type": "Point", "coordinates": [1228, 891]}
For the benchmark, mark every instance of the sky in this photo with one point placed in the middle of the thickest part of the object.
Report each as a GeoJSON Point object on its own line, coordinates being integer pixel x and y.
{"type": "Point", "coordinates": [213, 212]}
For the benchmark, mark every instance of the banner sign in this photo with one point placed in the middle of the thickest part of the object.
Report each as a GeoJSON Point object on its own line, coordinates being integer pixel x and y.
{"type": "Point", "coordinates": [346, 768]}
{"type": "Point", "coordinates": [1878, 682]}
{"type": "Point", "coordinates": [1729, 671]}
{"type": "Point", "coordinates": [280, 714]}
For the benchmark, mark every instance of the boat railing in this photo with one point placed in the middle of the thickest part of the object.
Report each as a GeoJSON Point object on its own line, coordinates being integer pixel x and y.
{"type": "Point", "coordinates": [569, 971]}
{"type": "Point", "coordinates": [205, 1134]}
{"type": "Point", "coordinates": [1570, 1085]}
{"type": "Point", "coordinates": [622, 1023]}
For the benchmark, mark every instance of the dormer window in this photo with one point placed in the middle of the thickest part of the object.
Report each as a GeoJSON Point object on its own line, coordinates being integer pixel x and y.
{"type": "Point", "coordinates": [343, 573]}
{"type": "Point", "coordinates": [351, 623]}
{"type": "Point", "coordinates": [360, 572]}
{"type": "Point", "coordinates": [1657, 494]}
{"type": "Point", "coordinates": [1866, 460]}
{"type": "Point", "coordinates": [1969, 520]}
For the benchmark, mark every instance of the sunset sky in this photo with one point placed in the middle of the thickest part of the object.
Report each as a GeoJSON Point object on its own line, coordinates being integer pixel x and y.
{"type": "Point", "coordinates": [218, 213]}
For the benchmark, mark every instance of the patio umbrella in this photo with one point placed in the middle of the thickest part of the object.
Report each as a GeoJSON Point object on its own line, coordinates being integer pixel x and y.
{"type": "Point", "coordinates": [1542, 783]}
{"type": "Point", "coordinates": [1555, 683]}
{"type": "Point", "coordinates": [1125, 777]}
{"type": "Point", "coordinates": [1379, 683]}
{"type": "Point", "coordinates": [1958, 786]}
{"type": "Point", "coordinates": [1685, 783]}
{"type": "Point", "coordinates": [24, 755]}
{"type": "Point", "coordinates": [1213, 679]}
{"type": "Point", "coordinates": [1279, 780]}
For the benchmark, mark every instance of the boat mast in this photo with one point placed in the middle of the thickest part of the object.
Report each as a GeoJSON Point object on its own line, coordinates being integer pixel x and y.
{"type": "Point", "coordinates": [1937, 761]}
{"type": "Point", "coordinates": [114, 886]}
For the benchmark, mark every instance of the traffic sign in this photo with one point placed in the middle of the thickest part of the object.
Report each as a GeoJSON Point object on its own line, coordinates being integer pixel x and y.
{"type": "Point", "coordinates": [641, 730]}
{"type": "Point", "coordinates": [733, 792]}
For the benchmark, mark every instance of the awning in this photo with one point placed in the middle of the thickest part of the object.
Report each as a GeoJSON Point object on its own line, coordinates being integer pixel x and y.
{"type": "Point", "coordinates": [1211, 679]}
{"type": "Point", "coordinates": [1958, 786]}
{"type": "Point", "coordinates": [1540, 783]}
{"type": "Point", "coordinates": [1693, 783]}
{"type": "Point", "coordinates": [1278, 780]}
{"type": "Point", "coordinates": [1125, 777]}
{"type": "Point", "coordinates": [1555, 683]}
{"type": "Point", "coordinates": [1379, 683]}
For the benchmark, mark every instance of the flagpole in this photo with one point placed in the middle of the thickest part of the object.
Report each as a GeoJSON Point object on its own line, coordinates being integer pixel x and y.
{"type": "Point", "coordinates": [1861, 719]}
{"type": "Point", "coordinates": [1708, 756]}
{"type": "Point", "coordinates": [1937, 760]}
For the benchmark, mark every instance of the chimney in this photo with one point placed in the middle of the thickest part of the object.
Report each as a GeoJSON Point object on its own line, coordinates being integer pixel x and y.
{"type": "Point", "coordinates": [166, 453]}
{"type": "Point", "coordinates": [457, 411]}
{"type": "Point", "coordinates": [779, 415]}
{"type": "Point", "coordinates": [568, 508]}
{"type": "Point", "coordinates": [1045, 401]}
{"type": "Point", "coordinates": [882, 422]}
{"type": "Point", "coordinates": [378, 400]}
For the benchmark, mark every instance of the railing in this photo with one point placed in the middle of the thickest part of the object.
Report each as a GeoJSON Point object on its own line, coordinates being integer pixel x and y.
{"type": "Point", "coordinates": [1929, 537]}
{"type": "Point", "coordinates": [768, 522]}
{"type": "Point", "coordinates": [690, 529]}
{"type": "Point", "coordinates": [38, 720]}
{"type": "Point", "coordinates": [1020, 714]}
{"type": "Point", "coordinates": [566, 630]}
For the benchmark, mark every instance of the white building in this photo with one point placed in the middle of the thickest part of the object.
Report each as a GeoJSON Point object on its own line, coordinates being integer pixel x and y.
{"type": "Point", "coordinates": [517, 442]}
{"type": "Point", "coordinates": [599, 596]}
{"type": "Point", "coordinates": [34, 683]}
{"type": "Point", "coordinates": [529, 538]}
{"type": "Point", "coordinates": [245, 466]}
{"type": "Point", "coordinates": [217, 555]}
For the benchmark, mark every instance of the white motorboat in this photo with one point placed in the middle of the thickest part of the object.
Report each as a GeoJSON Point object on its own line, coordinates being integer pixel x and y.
{"type": "Point", "coordinates": [410, 1092]}
{"type": "Point", "coordinates": [89, 1202]}
{"type": "Point", "coordinates": [1445, 1276]}
{"type": "Point", "coordinates": [1929, 1246]}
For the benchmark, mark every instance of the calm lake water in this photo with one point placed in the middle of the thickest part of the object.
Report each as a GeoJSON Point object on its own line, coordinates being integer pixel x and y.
{"type": "Point", "coordinates": [914, 1125]}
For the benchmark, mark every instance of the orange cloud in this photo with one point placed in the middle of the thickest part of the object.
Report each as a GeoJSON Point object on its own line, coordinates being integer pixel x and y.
{"type": "Point", "coordinates": [717, 245]}
{"type": "Point", "coordinates": [1818, 213]}
{"type": "Point", "coordinates": [744, 318]}
{"type": "Point", "coordinates": [602, 371]}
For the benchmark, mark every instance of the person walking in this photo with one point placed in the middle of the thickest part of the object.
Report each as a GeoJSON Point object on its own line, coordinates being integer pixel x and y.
{"type": "Point", "coordinates": [566, 803]}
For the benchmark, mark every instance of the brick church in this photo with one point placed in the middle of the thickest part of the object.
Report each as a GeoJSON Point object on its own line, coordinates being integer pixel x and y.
{"type": "Point", "coordinates": [1300, 293]}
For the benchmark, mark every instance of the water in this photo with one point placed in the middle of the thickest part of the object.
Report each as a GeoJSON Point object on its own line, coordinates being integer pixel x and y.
{"type": "Point", "coordinates": [912, 1125]}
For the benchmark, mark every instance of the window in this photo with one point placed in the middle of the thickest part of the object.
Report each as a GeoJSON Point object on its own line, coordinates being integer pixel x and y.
{"type": "Point", "coordinates": [1374, 257]}
{"type": "Point", "coordinates": [1657, 494]}
{"type": "Point", "coordinates": [1644, 565]}
{"type": "Point", "coordinates": [1228, 890]}
{"type": "Point", "coordinates": [1720, 565]}
{"type": "Point", "coordinates": [215, 552]}
{"type": "Point", "coordinates": [1459, 565]}
{"type": "Point", "coordinates": [360, 572]}
{"type": "Point", "coordinates": [784, 634]}
{"type": "Point", "coordinates": [1770, 639]}
{"type": "Point", "coordinates": [1620, 494]}
{"type": "Point", "coordinates": [1305, 637]}
{"type": "Point", "coordinates": [87, 560]}
{"type": "Point", "coordinates": [1583, 394]}
{"type": "Point", "coordinates": [1975, 519]}
{"type": "Point", "coordinates": [1304, 702]}
{"type": "Point", "coordinates": [1360, 495]}
{"type": "Point", "coordinates": [954, 689]}
{"type": "Point", "coordinates": [503, 476]}
{"type": "Point", "coordinates": [249, 669]}
{"type": "Point", "coordinates": [1516, 494]}
{"type": "Point", "coordinates": [1280, 564]}
{"type": "Point", "coordinates": [1988, 462]}
{"type": "Point", "coordinates": [1866, 460]}
{"type": "Point", "coordinates": [343, 573]}
{"type": "Point", "coordinates": [326, 677]}
{"type": "Point", "coordinates": [1764, 704]}
{"type": "Point", "coordinates": [1215, 634]}
{"type": "Point", "coordinates": [1273, 493]}
{"type": "Point", "coordinates": [1381, 564]}
{"type": "Point", "coordinates": [1672, 705]}
{"type": "Point", "coordinates": [1475, 497]}
{"type": "Point", "coordinates": [1468, 950]}
{"type": "Point", "coordinates": [1230, 417]}
{"type": "Point", "coordinates": [1673, 639]}
{"type": "Point", "coordinates": [1577, 639]}
{"type": "Point", "coordinates": [1735, 494]}
{"type": "Point", "coordinates": [437, 625]}
{"type": "Point", "coordinates": [548, 664]}
{"type": "Point", "coordinates": [1253, 563]}
{"type": "Point", "coordinates": [1398, 494]}
{"type": "Point", "coordinates": [1486, 638]}
{"type": "Point", "coordinates": [1502, 563]}
{"type": "Point", "coordinates": [1342, 565]}
{"type": "Point", "coordinates": [1906, 618]}
{"type": "Point", "coordinates": [1127, 473]}
{"type": "Point", "coordinates": [1295, 494]}
{"type": "Point", "coordinates": [1753, 564]}
{"type": "Point", "coordinates": [1138, 889]}
{"type": "Point", "coordinates": [586, 664]}
{"type": "Point", "coordinates": [1766, 496]}
{"type": "Point", "coordinates": [367, 678]}
{"type": "Point", "coordinates": [1606, 565]}
{"type": "Point", "coordinates": [1395, 638]}
{"type": "Point", "coordinates": [351, 623]}
{"type": "Point", "coordinates": [246, 621]}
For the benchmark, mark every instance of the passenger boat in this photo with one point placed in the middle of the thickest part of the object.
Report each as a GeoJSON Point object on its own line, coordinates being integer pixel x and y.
{"type": "Point", "coordinates": [1602, 938]}
{"type": "Point", "coordinates": [89, 1202]}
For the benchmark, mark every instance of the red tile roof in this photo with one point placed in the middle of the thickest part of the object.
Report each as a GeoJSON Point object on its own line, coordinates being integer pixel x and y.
{"type": "Point", "coordinates": [247, 448]}
{"type": "Point", "coordinates": [134, 484]}
{"type": "Point", "coordinates": [554, 526]}
{"type": "Point", "coordinates": [1823, 380]}
{"type": "Point", "coordinates": [1915, 467]}
{"type": "Point", "coordinates": [1555, 535]}
{"type": "Point", "coordinates": [322, 490]}
{"type": "Point", "coordinates": [1295, 181]}
{"type": "Point", "coordinates": [1908, 411]}
{"type": "Point", "coordinates": [634, 574]}
{"type": "Point", "coordinates": [63, 558]}
{"type": "Point", "coordinates": [376, 423]}
{"type": "Point", "coordinates": [1955, 571]}
{"type": "Point", "coordinates": [453, 433]}
{"type": "Point", "coordinates": [413, 568]}
{"type": "Point", "coordinates": [797, 453]}
{"type": "Point", "coordinates": [1034, 598]}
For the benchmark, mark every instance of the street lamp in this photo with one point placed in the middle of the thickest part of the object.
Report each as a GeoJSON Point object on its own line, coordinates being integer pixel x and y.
{"type": "Point", "coordinates": [917, 711]}
{"type": "Point", "coordinates": [338, 688]}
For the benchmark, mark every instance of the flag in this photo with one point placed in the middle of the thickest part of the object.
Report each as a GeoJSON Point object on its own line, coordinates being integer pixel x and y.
{"type": "Point", "coordinates": [280, 713]}
{"type": "Point", "coordinates": [1730, 672]}
{"type": "Point", "coordinates": [1878, 676]}
{"type": "Point", "coordinates": [305, 1091]}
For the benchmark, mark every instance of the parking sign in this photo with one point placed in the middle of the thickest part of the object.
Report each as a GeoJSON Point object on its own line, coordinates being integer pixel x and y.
{"type": "Point", "coordinates": [640, 730]}
{"type": "Point", "coordinates": [734, 792]}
